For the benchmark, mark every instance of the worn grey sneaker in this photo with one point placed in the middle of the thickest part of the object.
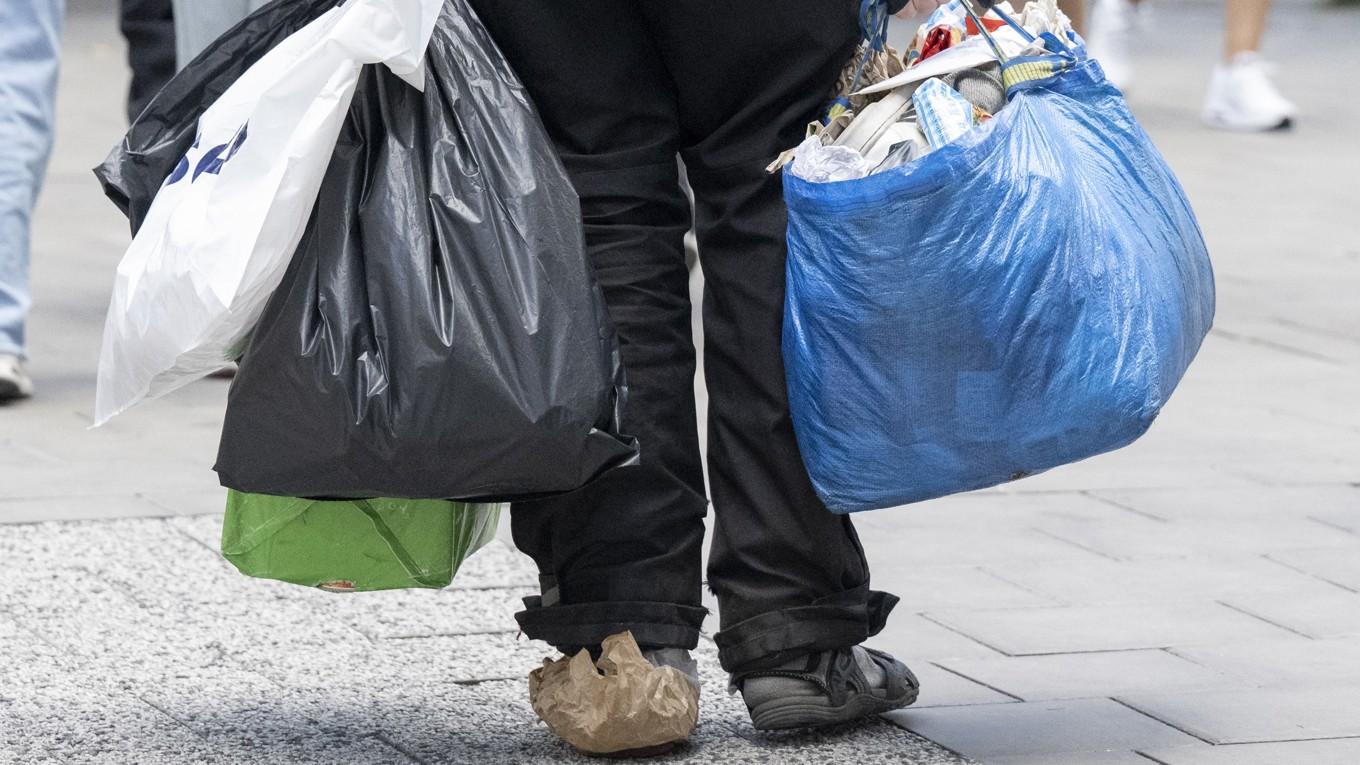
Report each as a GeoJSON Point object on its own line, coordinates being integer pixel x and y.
{"type": "Point", "coordinates": [677, 658]}
{"type": "Point", "coordinates": [827, 688]}
{"type": "Point", "coordinates": [14, 381]}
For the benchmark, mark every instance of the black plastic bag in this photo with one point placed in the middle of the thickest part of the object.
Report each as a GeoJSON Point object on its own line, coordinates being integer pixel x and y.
{"type": "Point", "coordinates": [135, 169]}
{"type": "Point", "coordinates": [439, 333]}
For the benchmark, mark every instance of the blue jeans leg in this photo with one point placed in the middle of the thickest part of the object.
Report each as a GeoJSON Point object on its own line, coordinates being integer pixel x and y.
{"type": "Point", "coordinates": [30, 32]}
{"type": "Point", "coordinates": [199, 22]}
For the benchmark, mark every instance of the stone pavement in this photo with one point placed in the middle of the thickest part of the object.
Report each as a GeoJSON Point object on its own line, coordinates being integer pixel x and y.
{"type": "Point", "coordinates": [1193, 599]}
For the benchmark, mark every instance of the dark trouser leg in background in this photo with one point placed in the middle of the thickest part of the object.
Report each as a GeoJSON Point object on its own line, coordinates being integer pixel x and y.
{"type": "Point", "coordinates": [622, 86]}
{"type": "Point", "coordinates": [149, 28]}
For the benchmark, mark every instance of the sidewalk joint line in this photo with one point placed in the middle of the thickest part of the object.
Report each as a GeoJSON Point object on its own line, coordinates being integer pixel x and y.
{"type": "Point", "coordinates": [1332, 525]}
{"type": "Point", "coordinates": [177, 721]}
{"type": "Point", "coordinates": [938, 623]}
{"type": "Point", "coordinates": [1129, 508]}
{"type": "Point", "coordinates": [381, 736]}
{"type": "Point", "coordinates": [975, 680]}
{"type": "Point", "coordinates": [1271, 344]}
{"type": "Point", "coordinates": [1150, 716]}
{"type": "Point", "coordinates": [1055, 601]}
{"type": "Point", "coordinates": [1309, 573]}
{"type": "Point", "coordinates": [1077, 545]}
{"type": "Point", "coordinates": [1245, 612]}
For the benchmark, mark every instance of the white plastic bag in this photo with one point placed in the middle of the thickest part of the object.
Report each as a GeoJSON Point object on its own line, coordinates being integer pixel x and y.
{"type": "Point", "coordinates": [824, 164]}
{"type": "Point", "coordinates": [221, 231]}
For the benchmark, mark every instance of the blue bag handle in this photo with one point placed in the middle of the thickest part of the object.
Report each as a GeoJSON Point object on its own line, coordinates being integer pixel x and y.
{"type": "Point", "coordinates": [873, 29]}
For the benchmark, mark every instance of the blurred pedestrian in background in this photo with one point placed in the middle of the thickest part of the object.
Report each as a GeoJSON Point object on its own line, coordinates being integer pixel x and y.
{"type": "Point", "coordinates": [149, 28]}
{"type": "Point", "coordinates": [30, 39]}
{"type": "Point", "coordinates": [1241, 95]}
{"type": "Point", "coordinates": [199, 22]}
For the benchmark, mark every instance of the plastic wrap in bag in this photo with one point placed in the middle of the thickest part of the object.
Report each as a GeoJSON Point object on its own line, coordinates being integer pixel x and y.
{"type": "Point", "coordinates": [1026, 296]}
{"type": "Point", "coordinates": [439, 332]}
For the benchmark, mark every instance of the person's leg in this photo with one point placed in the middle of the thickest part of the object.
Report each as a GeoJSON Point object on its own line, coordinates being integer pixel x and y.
{"type": "Point", "coordinates": [199, 22]}
{"type": "Point", "coordinates": [30, 33]}
{"type": "Point", "coordinates": [1109, 36]}
{"type": "Point", "coordinates": [149, 28]}
{"type": "Point", "coordinates": [1245, 24]}
{"type": "Point", "coordinates": [790, 577]}
{"type": "Point", "coordinates": [624, 552]}
{"type": "Point", "coordinates": [1241, 95]}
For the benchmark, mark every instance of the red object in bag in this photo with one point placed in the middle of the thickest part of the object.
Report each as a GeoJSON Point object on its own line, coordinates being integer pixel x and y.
{"type": "Point", "coordinates": [937, 39]}
{"type": "Point", "coordinates": [991, 24]}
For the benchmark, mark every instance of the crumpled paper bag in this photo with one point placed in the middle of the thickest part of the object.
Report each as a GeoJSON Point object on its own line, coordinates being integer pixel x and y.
{"type": "Point", "coordinates": [619, 704]}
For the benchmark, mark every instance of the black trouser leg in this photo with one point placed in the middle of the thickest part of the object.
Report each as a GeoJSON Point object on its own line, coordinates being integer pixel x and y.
{"type": "Point", "coordinates": [790, 576]}
{"type": "Point", "coordinates": [622, 85]}
{"type": "Point", "coordinates": [624, 552]}
{"type": "Point", "coordinates": [149, 28]}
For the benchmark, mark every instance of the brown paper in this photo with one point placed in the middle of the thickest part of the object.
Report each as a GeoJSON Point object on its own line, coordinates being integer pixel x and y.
{"type": "Point", "coordinates": [620, 704]}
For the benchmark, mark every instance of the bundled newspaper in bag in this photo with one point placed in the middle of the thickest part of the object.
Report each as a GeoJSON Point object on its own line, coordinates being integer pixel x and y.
{"type": "Point", "coordinates": [217, 239]}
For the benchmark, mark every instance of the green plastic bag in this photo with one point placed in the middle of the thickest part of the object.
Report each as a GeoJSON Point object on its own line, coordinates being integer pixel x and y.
{"type": "Point", "coordinates": [354, 545]}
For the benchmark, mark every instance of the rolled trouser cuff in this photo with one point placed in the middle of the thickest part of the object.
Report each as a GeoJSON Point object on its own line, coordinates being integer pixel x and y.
{"type": "Point", "coordinates": [576, 625]}
{"type": "Point", "coordinates": [774, 637]}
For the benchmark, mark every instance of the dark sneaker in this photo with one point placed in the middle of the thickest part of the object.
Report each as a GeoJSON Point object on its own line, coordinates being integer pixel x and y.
{"type": "Point", "coordinates": [678, 658]}
{"type": "Point", "coordinates": [14, 381]}
{"type": "Point", "coordinates": [827, 688]}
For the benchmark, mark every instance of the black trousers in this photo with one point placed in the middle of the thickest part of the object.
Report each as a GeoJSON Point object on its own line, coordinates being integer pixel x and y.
{"type": "Point", "coordinates": [623, 87]}
{"type": "Point", "coordinates": [149, 28]}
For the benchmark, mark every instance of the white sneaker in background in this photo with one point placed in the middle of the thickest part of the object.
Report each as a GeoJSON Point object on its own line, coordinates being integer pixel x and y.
{"type": "Point", "coordinates": [1110, 42]}
{"type": "Point", "coordinates": [14, 381]}
{"type": "Point", "coordinates": [1242, 97]}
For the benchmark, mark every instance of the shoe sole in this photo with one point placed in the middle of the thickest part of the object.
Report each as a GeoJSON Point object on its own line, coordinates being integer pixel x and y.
{"type": "Point", "coordinates": [792, 713]}
{"type": "Point", "coordinates": [1214, 120]}
{"type": "Point", "coordinates": [10, 391]}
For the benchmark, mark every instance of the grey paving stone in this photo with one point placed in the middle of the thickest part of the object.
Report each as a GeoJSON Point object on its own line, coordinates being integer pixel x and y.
{"type": "Point", "coordinates": [1228, 504]}
{"type": "Point", "coordinates": [1139, 537]}
{"type": "Point", "coordinates": [942, 688]}
{"type": "Point", "coordinates": [1127, 469]}
{"type": "Point", "coordinates": [1065, 629]}
{"type": "Point", "coordinates": [1092, 675]}
{"type": "Point", "coordinates": [78, 722]}
{"type": "Point", "coordinates": [72, 508]}
{"type": "Point", "coordinates": [1347, 517]}
{"type": "Point", "coordinates": [1321, 613]}
{"type": "Point", "coordinates": [423, 613]}
{"type": "Point", "coordinates": [1323, 752]}
{"type": "Point", "coordinates": [992, 508]}
{"type": "Point", "coordinates": [370, 750]}
{"type": "Point", "coordinates": [913, 638]}
{"type": "Point", "coordinates": [1282, 663]}
{"type": "Point", "coordinates": [1256, 715]}
{"type": "Point", "coordinates": [923, 588]}
{"type": "Point", "coordinates": [434, 661]}
{"type": "Point", "coordinates": [1039, 728]}
{"type": "Point", "coordinates": [887, 540]}
{"type": "Point", "coordinates": [210, 500]}
{"type": "Point", "coordinates": [1161, 580]}
{"type": "Point", "coordinates": [1338, 565]}
{"type": "Point", "coordinates": [1102, 757]}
